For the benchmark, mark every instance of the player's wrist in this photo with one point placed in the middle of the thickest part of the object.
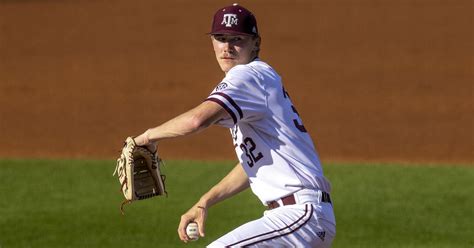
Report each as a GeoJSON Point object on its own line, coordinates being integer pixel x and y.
{"type": "Point", "coordinates": [203, 204]}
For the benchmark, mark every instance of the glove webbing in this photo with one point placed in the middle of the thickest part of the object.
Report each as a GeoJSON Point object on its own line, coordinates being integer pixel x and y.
{"type": "Point", "coordinates": [163, 177]}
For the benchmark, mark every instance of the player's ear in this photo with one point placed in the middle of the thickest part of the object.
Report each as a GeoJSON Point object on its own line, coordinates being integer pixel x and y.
{"type": "Point", "coordinates": [257, 43]}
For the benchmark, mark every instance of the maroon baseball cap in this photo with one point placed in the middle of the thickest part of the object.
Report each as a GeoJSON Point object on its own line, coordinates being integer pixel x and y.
{"type": "Point", "coordinates": [234, 19]}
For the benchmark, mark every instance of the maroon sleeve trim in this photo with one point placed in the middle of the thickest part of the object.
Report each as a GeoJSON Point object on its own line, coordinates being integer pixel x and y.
{"type": "Point", "coordinates": [234, 118]}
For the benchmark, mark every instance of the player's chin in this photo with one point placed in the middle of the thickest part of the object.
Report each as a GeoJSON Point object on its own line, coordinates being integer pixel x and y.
{"type": "Point", "coordinates": [229, 63]}
{"type": "Point", "coordinates": [225, 67]}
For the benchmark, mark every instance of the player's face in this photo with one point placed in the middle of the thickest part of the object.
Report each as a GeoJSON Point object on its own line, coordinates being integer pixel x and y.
{"type": "Point", "coordinates": [232, 50]}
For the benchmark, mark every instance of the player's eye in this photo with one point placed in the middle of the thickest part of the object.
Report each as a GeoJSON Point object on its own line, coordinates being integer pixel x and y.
{"type": "Point", "coordinates": [220, 38]}
{"type": "Point", "coordinates": [231, 39]}
{"type": "Point", "coordinates": [235, 39]}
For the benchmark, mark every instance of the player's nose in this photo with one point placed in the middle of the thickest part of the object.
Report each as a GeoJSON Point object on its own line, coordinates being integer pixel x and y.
{"type": "Point", "coordinates": [228, 47]}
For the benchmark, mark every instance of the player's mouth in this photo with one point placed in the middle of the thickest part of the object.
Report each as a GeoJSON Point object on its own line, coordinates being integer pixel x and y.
{"type": "Point", "coordinates": [227, 56]}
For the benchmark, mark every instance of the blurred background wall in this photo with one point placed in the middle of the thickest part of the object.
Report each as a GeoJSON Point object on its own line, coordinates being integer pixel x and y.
{"type": "Point", "coordinates": [373, 80]}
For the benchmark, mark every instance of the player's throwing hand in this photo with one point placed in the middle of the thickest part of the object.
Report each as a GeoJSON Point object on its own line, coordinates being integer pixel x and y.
{"type": "Point", "coordinates": [197, 214]}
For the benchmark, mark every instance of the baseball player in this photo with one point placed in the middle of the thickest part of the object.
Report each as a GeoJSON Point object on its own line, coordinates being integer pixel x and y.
{"type": "Point", "coordinates": [277, 158]}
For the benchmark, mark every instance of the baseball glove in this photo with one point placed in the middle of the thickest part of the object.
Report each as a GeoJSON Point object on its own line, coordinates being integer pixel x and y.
{"type": "Point", "coordinates": [138, 171]}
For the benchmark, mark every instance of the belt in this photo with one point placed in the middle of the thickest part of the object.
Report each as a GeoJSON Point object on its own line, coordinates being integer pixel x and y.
{"type": "Point", "coordinates": [290, 200]}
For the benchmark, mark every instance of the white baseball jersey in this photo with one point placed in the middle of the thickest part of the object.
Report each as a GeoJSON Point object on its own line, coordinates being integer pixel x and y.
{"type": "Point", "coordinates": [270, 140]}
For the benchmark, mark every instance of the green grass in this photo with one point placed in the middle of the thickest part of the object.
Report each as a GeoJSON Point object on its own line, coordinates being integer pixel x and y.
{"type": "Point", "coordinates": [71, 203]}
{"type": "Point", "coordinates": [403, 206]}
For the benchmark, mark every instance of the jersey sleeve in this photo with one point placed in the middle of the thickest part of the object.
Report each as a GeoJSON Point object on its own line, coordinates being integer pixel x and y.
{"type": "Point", "coordinates": [241, 95]}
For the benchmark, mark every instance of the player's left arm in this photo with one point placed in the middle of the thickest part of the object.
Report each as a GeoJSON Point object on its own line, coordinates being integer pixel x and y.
{"type": "Point", "coordinates": [192, 121]}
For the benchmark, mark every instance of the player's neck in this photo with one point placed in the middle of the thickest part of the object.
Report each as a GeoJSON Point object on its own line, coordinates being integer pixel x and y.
{"type": "Point", "coordinates": [254, 58]}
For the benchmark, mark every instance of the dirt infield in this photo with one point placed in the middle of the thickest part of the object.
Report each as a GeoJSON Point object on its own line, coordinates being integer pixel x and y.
{"type": "Point", "coordinates": [372, 79]}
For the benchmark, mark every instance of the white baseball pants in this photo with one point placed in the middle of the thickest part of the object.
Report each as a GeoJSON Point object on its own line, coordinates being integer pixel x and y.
{"type": "Point", "coordinates": [308, 223]}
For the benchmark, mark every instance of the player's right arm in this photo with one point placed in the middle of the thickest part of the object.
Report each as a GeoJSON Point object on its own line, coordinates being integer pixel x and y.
{"type": "Point", "coordinates": [234, 182]}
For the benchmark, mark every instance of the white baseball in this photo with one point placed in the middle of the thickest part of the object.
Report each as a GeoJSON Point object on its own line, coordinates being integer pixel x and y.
{"type": "Point", "coordinates": [192, 231]}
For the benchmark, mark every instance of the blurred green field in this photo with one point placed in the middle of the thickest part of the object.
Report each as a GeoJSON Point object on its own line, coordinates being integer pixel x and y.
{"type": "Point", "coordinates": [73, 203]}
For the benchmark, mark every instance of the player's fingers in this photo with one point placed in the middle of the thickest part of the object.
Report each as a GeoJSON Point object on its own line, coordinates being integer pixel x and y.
{"type": "Point", "coordinates": [152, 147]}
{"type": "Point", "coordinates": [182, 235]}
{"type": "Point", "coordinates": [201, 227]}
{"type": "Point", "coordinates": [201, 221]}
{"type": "Point", "coordinates": [182, 228]}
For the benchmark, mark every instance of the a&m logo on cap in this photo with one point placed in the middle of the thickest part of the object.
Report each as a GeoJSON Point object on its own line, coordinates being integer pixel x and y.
{"type": "Point", "coordinates": [229, 20]}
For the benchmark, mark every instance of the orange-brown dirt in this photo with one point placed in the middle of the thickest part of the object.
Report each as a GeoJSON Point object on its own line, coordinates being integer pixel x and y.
{"type": "Point", "coordinates": [373, 80]}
